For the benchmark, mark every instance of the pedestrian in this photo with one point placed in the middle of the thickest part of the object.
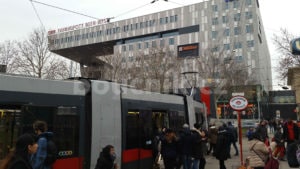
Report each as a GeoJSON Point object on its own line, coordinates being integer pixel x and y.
{"type": "Point", "coordinates": [233, 131]}
{"type": "Point", "coordinates": [169, 149]}
{"type": "Point", "coordinates": [212, 138]}
{"type": "Point", "coordinates": [41, 159]}
{"type": "Point", "coordinates": [259, 152]}
{"type": "Point", "coordinates": [185, 146]}
{"type": "Point", "coordinates": [290, 131]}
{"type": "Point", "coordinates": [197, 147]}
{"type": "Point", "coordinates": [279, 150]}
{"type": "Point", "coordinates": [20, 158]}
{"type": "Point", "coordinates": [262, 131]}
{"type": "Point", "coordinates": [223, 142]}
{"type": "Point", "coordinates": [250, 133]}
{"type": "Point", "coordinates": [106, 159]}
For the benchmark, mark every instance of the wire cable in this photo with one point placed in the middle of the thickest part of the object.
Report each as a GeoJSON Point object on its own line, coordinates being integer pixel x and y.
{"type": "Point", "coordinates": [38, 15]}
{"type": "Point", "coordinates": [64, 9]}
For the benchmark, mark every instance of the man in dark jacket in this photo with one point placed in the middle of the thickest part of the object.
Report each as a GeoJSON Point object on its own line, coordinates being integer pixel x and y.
{"type": "Point", "coordinates": [233, 131]}
{"type": "Point", "coordinates": [197, 147]}
{"type": "Point", "coordinates": [263, 132]}
{"type": "Point", "coordinates": [223, 141]}
{"type": "Point", "coordinates": [106, 158]}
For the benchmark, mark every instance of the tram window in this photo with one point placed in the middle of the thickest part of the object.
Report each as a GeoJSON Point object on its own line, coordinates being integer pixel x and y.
{"type": "Point", "coordinates": [61, 121]}
{"type": "Point", "coordinates": [9, 130]}
{"type": "Point", "coordinates": [177, 119]}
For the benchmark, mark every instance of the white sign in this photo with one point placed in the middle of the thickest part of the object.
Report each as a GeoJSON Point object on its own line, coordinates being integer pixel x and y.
{"type": "Point", "coordinates": [238, 103]}
{"type": "Point", "coordinates": [238, 94]}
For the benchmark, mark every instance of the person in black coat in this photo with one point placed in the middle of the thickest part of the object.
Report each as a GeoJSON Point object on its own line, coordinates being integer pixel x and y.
{"type": "Point", "coordinates": [106, 158]}
{"type": "Point", "coordinates": [223, 141]}
{"type": "Point", "coordinates": [26, 145]}
{"type": "Point", "coordinates": [169, 149]}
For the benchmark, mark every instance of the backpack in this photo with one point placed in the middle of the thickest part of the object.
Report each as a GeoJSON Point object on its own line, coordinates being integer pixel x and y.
{"type": "Point", "coordinates": [51, 152]}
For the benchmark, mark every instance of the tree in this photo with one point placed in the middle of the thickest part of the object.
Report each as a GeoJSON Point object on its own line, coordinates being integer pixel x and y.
{"type": "Point", "coordinates": [287, 59]}
{"type": "Point", "coordinates": [8, 51]}
{"type": "Point", "coordinates": [34, 59]}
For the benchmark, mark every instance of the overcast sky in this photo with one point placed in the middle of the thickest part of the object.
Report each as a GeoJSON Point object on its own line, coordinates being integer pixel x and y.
{"type": "Point", "coordinates": [18, 17]}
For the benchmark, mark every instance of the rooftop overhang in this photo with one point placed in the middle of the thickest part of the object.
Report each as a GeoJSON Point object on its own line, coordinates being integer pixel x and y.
{"type": "Point", "coordinates": [87, 54]}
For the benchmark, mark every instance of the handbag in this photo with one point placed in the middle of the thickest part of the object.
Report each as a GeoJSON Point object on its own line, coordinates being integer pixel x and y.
{"type": "Point", "coordinates": [272, 163]}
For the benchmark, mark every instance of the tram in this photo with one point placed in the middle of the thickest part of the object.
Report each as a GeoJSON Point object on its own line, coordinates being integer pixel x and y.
{"type": "Point", "coordinates": [86, 115]}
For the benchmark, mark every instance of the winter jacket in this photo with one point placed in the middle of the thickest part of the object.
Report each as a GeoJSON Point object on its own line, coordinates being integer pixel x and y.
{"type": "Point", "coordinates": [213, 134]}
{"type": "Point", "coordinates": [258, 153]}
{"type": "Point", "coordinates": [41, 154]}
{"type": "Point", "coordinates": [286, 132]}
{"type": "Point", "coordinates": [169, 149]}
{"type": "Point", "coordinates": [20, 163]}
{"type": "Point", "coordinates": [197, 148]}
{"type": "Point", "coordinates": [223, 142]}
{"type": "Point", "coordinates": [105, 161]}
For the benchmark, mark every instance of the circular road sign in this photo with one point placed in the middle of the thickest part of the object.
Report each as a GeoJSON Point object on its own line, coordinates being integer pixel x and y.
{"type": "Point", "coordinates": [238, 103]}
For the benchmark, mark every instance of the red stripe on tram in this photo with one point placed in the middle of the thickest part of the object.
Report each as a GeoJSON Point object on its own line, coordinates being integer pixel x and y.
{"type": "Point", "coordinates": [69, 163]}
{"type": "Point", "coordinates": [135, 154]}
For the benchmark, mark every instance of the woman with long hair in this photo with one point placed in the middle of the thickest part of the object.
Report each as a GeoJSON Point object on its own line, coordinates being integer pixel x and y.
{"type": "Point", "coordinates": [20, 158]}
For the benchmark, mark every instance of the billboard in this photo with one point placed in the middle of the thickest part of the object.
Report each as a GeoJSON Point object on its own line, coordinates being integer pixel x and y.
{"type": "Point", "coordinates": [188, 50]}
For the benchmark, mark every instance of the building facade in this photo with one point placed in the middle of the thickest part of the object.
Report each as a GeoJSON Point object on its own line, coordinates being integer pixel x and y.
{"type": "Point", "coordinates": [223, 32]}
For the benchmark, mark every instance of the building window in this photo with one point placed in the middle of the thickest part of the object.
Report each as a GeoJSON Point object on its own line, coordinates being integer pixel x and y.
{"type": "Point", "coordinates": [215, 21]}
{"type": "Point", "coordinates": [162, 21]}
{"type": "Point", "coordinates": [154, 44]}
{"type": "Point", "coordinates": [214, 34]}
{"type": "Point", "coordinates": [146, 44]}
{"type": "Point", "coordinates": [237, 30]}
{"type": "Point", "coordinates": [141, 25]}
{"type": "Point", "coordinates": [123, 48]}
{"type": "Point", "coordinates": [227, 32]}
{"type": "Point", "coordinates": [250, 43]}
{"type": "Point", "coordinates": [139, 46]}
{"type": "Point", "coordinates": [248, 15]}
{"type": "Point", "coordinates": [237, 45]}
{"type": "Point", "coordinates": [215, 49]}
{"type": "Point", "coordinates": [239, 58]}
{"type": "Point", "coordinates": [225, 19]}
{"type": "Point", "coordinates": [248, 2]}
{"type": "Point", "coordinates": [225, 6]}
{"type": "Point", "coordinates": [215, 8]}
{"type": "Point", "coordinates": [166, 19]}
{"type": "Point", "coordinates": [237, 17]}
{"type": "Point", "coordinates": [249, 28]}
{"type": "Point", "coordinates": [130, 47]}
{"type": "Point", "coordinates": [236, 4]}
{"type": "Point", "coordinates": [226, 46]}
{"type": "Point", "coordinates": [176, 18]}
{"type": "Point", "coordinates": [162, 43]}
{"type": "Point", "coordinates": [171, 41]}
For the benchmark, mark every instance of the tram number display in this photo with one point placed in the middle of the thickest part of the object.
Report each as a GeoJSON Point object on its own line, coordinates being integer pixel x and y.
{"type": "Point", "coordinates": [188, 50]}
{"type": "Point", "coordinates": [65, 153]}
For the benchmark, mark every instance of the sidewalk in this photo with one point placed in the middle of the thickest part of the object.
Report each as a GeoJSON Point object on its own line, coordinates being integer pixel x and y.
{"type": "Point", "coordinates": [234, 162]}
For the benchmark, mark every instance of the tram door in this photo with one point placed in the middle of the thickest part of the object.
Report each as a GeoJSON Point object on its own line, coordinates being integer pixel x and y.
{"type": "Point", "coordinates": [9, 130]}
{"type": "Point", "coordinates": [141, 129]}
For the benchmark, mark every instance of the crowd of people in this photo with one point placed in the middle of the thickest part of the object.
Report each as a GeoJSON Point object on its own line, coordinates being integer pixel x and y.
{"type": "Point", "coordinates": [189, 147]}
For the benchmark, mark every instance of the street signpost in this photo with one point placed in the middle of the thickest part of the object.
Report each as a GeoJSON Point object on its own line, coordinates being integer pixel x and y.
{"type": "Point", "coordinates": [239, 103]}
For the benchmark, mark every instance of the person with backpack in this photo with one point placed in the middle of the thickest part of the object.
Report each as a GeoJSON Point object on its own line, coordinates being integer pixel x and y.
{"type": "Point", "coordinates": [20, 158]}
{"type": "Point", "coordinates": [46, 153]}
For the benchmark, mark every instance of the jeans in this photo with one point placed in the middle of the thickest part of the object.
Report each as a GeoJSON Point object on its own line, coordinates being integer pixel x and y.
{"type": "Point", "coordinates": [187, 162]}
{"type": "Point", "coordinates": [195, 164]}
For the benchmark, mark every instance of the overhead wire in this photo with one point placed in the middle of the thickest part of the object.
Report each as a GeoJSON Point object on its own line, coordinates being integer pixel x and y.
{"type": "Point", "coordinates": [64, 9]}
{"type": "Point", "coordinates": [38, 16]}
